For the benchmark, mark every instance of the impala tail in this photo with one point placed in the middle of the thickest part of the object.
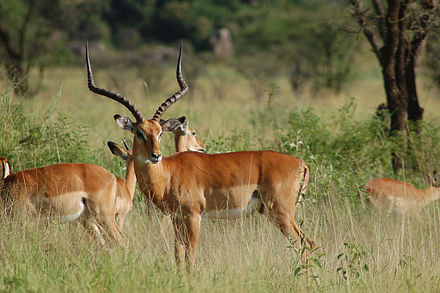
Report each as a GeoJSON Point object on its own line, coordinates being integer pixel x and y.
{"type": "Point", "coordinates": [304, 185]}
{"type": "Point", "coordinates": [5, 168]}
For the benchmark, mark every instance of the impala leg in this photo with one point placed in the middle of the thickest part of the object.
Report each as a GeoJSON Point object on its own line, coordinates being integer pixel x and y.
{"type": "Point", "coordinates": [90, 224]}
{"type": "Point", "coordinates": [179, 243]}
{"type": "Point", "coordinates": [300, 234]}
{"type": "Point", "coordinates": [283, 215]}
{"type": "Point", "coordinates": [102, 221]}
{"type": "Point", "coordinates": [107, 219]}
{"type": "Point", "coordinates": [187, 231]}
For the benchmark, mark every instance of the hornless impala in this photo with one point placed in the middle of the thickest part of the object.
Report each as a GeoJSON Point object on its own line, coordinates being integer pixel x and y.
{"type": "Point", "coordinates": [5, 168]}
{"type": "Point", "coordinates": [125, 188]}
{"type": "Point", "coordinates": [401, 196]}
{"type": "Point", "coordinates": [67, 191]}
{"type": "Point", "coordinates": [188, 184]}
{"type": "Point", "coordinates": [185, 137]}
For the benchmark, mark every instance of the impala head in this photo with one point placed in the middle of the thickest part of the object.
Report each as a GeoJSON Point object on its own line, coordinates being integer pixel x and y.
{"type": "Point", "coordinates": [146, 139]}
{"type": "Point", "coordinates": [126, 155]}
{"type": "Point", "coordinates": [185, 137]}
{"type": "Point", "coordinates": [147, 133]}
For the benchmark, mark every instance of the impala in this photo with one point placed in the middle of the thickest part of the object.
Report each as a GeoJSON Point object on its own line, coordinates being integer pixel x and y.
{"type": "Point", "coordinates": [185, 138]}
{"type": "Point", "coordinates": [5, 168]}
{"type": "Point", "coordinates": [125, 188]}
{"type": "Point", "coordinates": [189, 184]}
{"type": "Point", "coordinates": [400, 196]}
{"type": "Point", "coordinates": [67, 191]}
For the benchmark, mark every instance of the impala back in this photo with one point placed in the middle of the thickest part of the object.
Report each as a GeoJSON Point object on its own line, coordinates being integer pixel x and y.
{"type": "Point", "coordinates": [55, 189]}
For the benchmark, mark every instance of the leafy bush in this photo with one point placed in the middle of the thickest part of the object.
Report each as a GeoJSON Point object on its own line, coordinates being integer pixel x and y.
{"type": "Point", "coordinates": [29, 143]}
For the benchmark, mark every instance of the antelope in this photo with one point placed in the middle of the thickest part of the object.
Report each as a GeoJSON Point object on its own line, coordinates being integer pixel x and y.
{"type": "Point", "coordinates": [5, 168]}
{"type": "Point", "coordinates": [187, 185]}
{"type": "Point", "coordinates": [401, 196]}
{"type": "Point", "coordinates": [125, 188]}
{"type": "Point", "coordinates": [67, 191]}
{"type": "Point", "coordinates": [185, 139]}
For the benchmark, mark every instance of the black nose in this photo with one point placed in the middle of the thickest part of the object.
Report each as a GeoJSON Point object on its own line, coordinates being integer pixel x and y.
{"type": "Point", "coordinates": [155, 157]}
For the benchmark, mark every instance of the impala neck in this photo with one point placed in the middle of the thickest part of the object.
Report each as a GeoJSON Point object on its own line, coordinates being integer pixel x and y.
{"type": "Point", "coordinates": [130, 178]}
{"type": "Point", "coordinates": [152, 178]}
{"type": "Point", "coordinates": [180, 143]}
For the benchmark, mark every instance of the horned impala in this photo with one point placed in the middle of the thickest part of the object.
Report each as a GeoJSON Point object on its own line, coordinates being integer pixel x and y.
{"type": "Point", "coordinates": [188, 184]}
{"type": "Point", "coordinates": [5, 168]}
{"type": "Point", "coordinates": [401, 196]}
{"type": "Point", "coordinates": [185, 138]}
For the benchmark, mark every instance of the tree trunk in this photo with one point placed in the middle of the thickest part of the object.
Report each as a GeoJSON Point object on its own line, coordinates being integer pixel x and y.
{"type": "Point", "coordinates": [397, 108]}
{"type": "Point", "coordinates": [397, 39]}
{"type": "Point", "coordinates": [415, 112]}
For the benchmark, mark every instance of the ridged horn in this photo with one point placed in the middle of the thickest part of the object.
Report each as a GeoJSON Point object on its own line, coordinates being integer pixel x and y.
{"type": "Point", "coordinates": [109, 94]}
{"type": "Point", "coordinates": [184, 89]}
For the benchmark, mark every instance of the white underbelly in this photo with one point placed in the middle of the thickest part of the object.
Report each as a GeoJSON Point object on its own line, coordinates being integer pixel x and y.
{"type": "Point", "coordinates": [67, 207]}
{"type": "Point", "coordinates": [253, 205]}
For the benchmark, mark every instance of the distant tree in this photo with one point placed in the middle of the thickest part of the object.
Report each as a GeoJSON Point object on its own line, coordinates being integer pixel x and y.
{"type": "Point", "coordinates": [28, 30]}
{"type": "Point", "coordinates": [306, 37]}
{"type": "Point", "coordinates": [130, 21]}
{"type": "Point", "coordinates": [397, 35]}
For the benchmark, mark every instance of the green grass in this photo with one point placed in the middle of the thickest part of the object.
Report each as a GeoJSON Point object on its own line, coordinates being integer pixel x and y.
{"type": "Point", "coordinates": [359, 248]}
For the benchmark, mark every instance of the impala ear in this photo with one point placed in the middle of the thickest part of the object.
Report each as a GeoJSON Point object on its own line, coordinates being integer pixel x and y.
{"type": "Point", "coordinates": [117, 150]}
{"type": "Point", "coordinates": [184, 126]}
{"type": "Point", "coordinates": [124, 122]}
{"type": "Point", "coordinates": [171, 125]}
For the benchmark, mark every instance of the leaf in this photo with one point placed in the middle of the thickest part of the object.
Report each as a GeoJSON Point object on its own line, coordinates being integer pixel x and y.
{"type": "Point", "coordinates": [317, 263]}
{"type": "Point", "coordinates": [297, 272]}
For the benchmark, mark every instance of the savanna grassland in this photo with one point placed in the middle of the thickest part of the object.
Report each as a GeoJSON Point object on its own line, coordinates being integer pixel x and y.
{"type": "Point", "coordinates": [343, 143]}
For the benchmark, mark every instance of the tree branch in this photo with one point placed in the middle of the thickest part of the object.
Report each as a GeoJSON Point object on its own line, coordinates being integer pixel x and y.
{"type": "Point", "coordinates": [392, 25]}
{"type": "Point", "coordinates": [380, 18]}
{"type": "Point", "coordinates": [425, 21]}
{"type": "Point", "coordinates": [361, 18]}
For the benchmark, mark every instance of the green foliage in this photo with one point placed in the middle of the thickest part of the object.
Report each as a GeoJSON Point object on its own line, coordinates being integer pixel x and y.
{"type": "Point", "coordinates": [359, 249]}
{"type": "Point", "coordinates": [342, 143]}
{"type": "Point", "coordinates": [29, 143]}
{"type": "Point", "coordinates": [353, 262]}
{"type": "Point", "coordinates": [308, 41]}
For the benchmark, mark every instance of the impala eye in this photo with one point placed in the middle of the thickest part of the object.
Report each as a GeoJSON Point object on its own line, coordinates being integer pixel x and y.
{"type": "Point", "coordinates": [194, 133]}
{"type": "Point", "coordinates": [159, 136]}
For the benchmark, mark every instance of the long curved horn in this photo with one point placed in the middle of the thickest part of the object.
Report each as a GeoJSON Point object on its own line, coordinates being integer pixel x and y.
{"type": "Point", "coordinates": [184, 89]}
{"type": "Point", "coordinates": [114, 96]}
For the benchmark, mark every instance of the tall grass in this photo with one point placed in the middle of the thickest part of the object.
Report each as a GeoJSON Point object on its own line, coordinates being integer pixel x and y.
{"type": "Point", "coordinates": [359, 248]}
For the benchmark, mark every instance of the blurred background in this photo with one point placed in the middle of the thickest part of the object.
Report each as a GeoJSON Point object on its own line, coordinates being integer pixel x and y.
{"type": "Point", "coordinates": [249, 64]}
{"type": "Point", "coordinates": [298, 76]}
